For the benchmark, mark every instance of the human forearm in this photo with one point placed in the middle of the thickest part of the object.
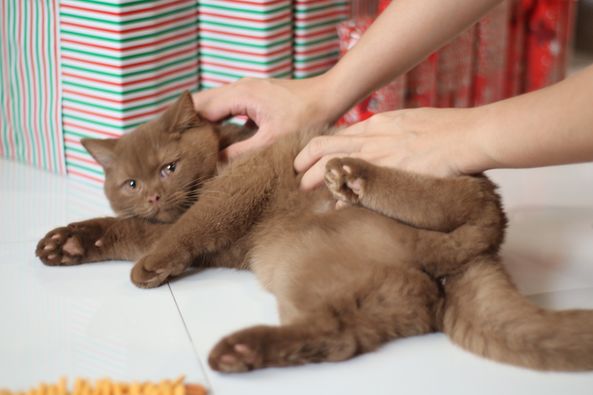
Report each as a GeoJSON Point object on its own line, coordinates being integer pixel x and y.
{"type": "Point", "coordinates": [548, 127]}
{"type": "Point", "coordinates": [405, 33]}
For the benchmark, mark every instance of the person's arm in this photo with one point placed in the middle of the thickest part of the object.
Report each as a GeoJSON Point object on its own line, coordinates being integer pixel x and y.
{"type": "Point", "coordinates": [405, 33]}
{"type": "Point", "coordinates": [551, 126]}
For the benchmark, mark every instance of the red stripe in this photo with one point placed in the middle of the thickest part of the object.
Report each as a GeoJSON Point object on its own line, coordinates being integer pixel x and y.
{"type": "Point", "coordinates": [134, 29]}
{"type": "Point", "coordinates": [316, 50]}
{"type": "Point", "coordinates": [70, 155]}
{"type": "Point", "coordinates": [261, 55]}
{"type": "Point", "coordinates": [227, 66]}
{"type": "Point", "coordinates": [57, 75]}
{"type": "Point", "coordinates": [25, 132]}
{"type": "Point", "coordinates": [330, 13]}
{"type": "Point", "coordinates": [234, 35]}
{"type": "Point", "coordinates": [46, 89]}
{"type": "Point", "coordinates": [133, 47]}
{"type": "Point", "coordinates": [125, 13]}
{"type": "Point", "coordinates": [82, 175]}
{"type": "Point", "coordinates": [102, 115]}
{"type": "Point", "coordinates": [131, 65]}
{"type": "Point", "coordinates": [240, 18]}
{"type": "Point", "coordinates": [194, 65]}
{"type": "Point", "coordinates": [5, 79]}
{"type": "Point", "coordinates": [256, 2]}
{"type": "Point", "coordinates": [328, 63]}
{"type": "Point", "coordinates": [70, 124]}
{"type": "Point", "coordinates": [306, 34]}
{"type": "Point", "coordinates": [216, 80]}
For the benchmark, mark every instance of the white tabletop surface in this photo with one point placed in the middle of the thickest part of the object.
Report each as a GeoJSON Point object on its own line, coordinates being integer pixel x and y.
{"type": "Point", "coordinates": [91, 321]}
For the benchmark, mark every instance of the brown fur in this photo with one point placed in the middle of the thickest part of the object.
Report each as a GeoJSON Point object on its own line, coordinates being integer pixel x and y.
{"type": "Point", "coordinates": [398, 255]}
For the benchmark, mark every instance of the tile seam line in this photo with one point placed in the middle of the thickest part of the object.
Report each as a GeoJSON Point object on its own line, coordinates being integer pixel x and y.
{"type": "Point", "coordinates": [191, 340]}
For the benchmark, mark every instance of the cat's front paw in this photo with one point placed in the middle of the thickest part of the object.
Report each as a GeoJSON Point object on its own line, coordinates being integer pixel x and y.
{"type": "Point", "coordinates": [73, 244]}
{"type": "Point", "coordinates": [60, 247]}
{"type": "Point", "coordinates": [345, 179]}
{"type": "Point", "coordinates": [155, 269]}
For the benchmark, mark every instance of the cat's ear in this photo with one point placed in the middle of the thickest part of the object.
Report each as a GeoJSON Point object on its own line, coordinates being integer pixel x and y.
{"type": "Point", "coordinates": [101, 149]}
{"type": "Point", "coordinates": [181, 115]}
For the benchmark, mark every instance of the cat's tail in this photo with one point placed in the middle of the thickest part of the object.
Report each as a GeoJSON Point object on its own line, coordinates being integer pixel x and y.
{"type": "Point", "coordinates": [485, 314]}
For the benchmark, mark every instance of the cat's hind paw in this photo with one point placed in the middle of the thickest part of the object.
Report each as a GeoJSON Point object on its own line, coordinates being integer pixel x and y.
{"type": "Point", "coordinates": [60, 247]}
{"type": "Point", "coordinates": [345, 179]}
{"type": "Point", "coordinates": [239, 352]}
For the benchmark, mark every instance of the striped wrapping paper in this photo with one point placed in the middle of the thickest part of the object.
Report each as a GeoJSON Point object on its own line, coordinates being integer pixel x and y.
{"type": "Point", "coordinates": [244, 38]}
{"type": "Point", "coordinates": [123, 62]}
{"type": "Point", "coordinates": [316, 43]}
{"type": "Point", "coordinates": [30, 112]}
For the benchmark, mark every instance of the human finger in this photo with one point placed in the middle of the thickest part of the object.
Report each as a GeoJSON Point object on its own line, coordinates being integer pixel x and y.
{"type": "Point", "coordinates": [325, 145]}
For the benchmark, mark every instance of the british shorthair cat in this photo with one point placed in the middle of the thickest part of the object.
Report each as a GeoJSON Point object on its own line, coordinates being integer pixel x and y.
{"type": "Point", "coordinates": [375, 255]}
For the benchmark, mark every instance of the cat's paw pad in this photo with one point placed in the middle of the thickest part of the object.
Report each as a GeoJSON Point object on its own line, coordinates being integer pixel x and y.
{"type": "Point", "coordinates": [240, 352]}
{"type": "Point", "coordinates": [60, 247]}
{"type": "Point", "coordinates": [154, 270]}
{"type": "Point", "coordinates": [344, 178]}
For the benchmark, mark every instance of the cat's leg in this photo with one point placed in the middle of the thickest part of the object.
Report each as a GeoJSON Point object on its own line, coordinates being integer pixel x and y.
{"type": "Point", "coordinates": [225, 211]}
{"type": "Point", "coordinates": [335, 327]}
{"type": "Point", "coordinates": [98, 239]}
{"type": "Point", "coordinates": [454, 219]}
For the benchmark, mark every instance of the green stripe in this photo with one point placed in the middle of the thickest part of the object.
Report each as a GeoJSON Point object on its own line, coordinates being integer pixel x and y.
{"type": "Point", "coordinates": [127, 109]}
{"type": "Point", "coordinates": [131, 91]}
{"type": "Point", "coordinates": [319, 8]}
{"type": "Point", "coordinates": [151, 18]}
{"type": "Point", "coordinates": [131, 73]}
{"type": "Point", "coordinates": [314, 42]}
{"type": "Point", "coordinates": [238, 76]}
{"type": "Point", "coordinates": [245, 61]}
{"type": "Point", "coordinates": [206, 39]}
{"type": "Point", "coordinates": [116, 5]}
{"type": "Point", "coordinates": [245, 27]}
{"type": "Point", "coordinates": [314, 25]}
{"type": "Point", "coordinates": [76, 149]}
{"type": "Point", "coordinates": [77, 165]}
{"type": "Point", "coordinates": [127, 38]}
{"type": "Point", "coordinates": [105, 124]}
{"type": "Point", "coordinates": [318, 57]}
{"type": "Point", "coordinates": [134, 56]}
{"type": "Point", "coordinates": [247, 11]}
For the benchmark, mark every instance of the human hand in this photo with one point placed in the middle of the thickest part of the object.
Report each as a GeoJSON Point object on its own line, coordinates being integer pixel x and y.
{"type": "Point", "coordinates": [276, 106]}
{"type": "Point", "coordinates": [438, 142]}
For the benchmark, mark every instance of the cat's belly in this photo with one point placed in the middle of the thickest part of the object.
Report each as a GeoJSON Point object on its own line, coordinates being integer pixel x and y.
{"type": "Point", "coordinates": [325, 244]}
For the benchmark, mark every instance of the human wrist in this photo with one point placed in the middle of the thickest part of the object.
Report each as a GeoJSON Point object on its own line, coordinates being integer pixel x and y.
{"type": "Point", "coordinates": [475, 154]}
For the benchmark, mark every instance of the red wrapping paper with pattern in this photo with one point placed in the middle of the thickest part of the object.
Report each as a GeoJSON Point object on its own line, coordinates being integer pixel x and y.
{"type": "Point", "coordinates": [549, 33]}
{"type": "Point", "coordinates": [422, 84]}
{"type": "Point", "coordinates": [490, 58]}
{"type": "Point", "coordinates": [454, 74]}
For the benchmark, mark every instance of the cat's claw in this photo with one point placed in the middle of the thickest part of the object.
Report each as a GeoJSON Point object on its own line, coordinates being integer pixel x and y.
{"type": "Point", "coordinates": [344, 177]}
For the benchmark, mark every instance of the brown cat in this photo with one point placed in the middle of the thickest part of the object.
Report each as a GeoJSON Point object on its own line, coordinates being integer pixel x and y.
{"type": "Point", "coordinates": [399, 255]}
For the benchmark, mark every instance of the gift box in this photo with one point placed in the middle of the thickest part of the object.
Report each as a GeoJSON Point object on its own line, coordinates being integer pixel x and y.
{"type": "Point", "coordinates": [30, 94]}
{"type": "Point", "coordinates": [244, 38]}
{"type": "Point", "coordinates": [490, 57]}
{"type": "Point", "coordinates": [316, 45]}
{"type": "Point", "coordinates": [549, 33]}
{"type": "Point", "coordinates": [123, 63]}
{"type": "Point", "coordinates": [421, 89]}
{"type": "Point", "coordinates": [455, 71]}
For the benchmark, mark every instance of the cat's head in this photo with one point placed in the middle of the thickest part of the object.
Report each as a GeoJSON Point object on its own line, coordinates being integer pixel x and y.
{"type": "Point", "coordinates": [156, 171]}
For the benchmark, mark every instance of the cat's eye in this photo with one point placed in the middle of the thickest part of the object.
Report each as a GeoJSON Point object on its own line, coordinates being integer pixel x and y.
{"type": "Point", "coordinates": [168, 169]}
{"type": "Point", "coordinates": [131, 184]}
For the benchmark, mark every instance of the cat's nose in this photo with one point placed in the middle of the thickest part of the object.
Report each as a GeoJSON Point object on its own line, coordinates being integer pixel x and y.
{"type": "Point", "coordinates": [154, 199]}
